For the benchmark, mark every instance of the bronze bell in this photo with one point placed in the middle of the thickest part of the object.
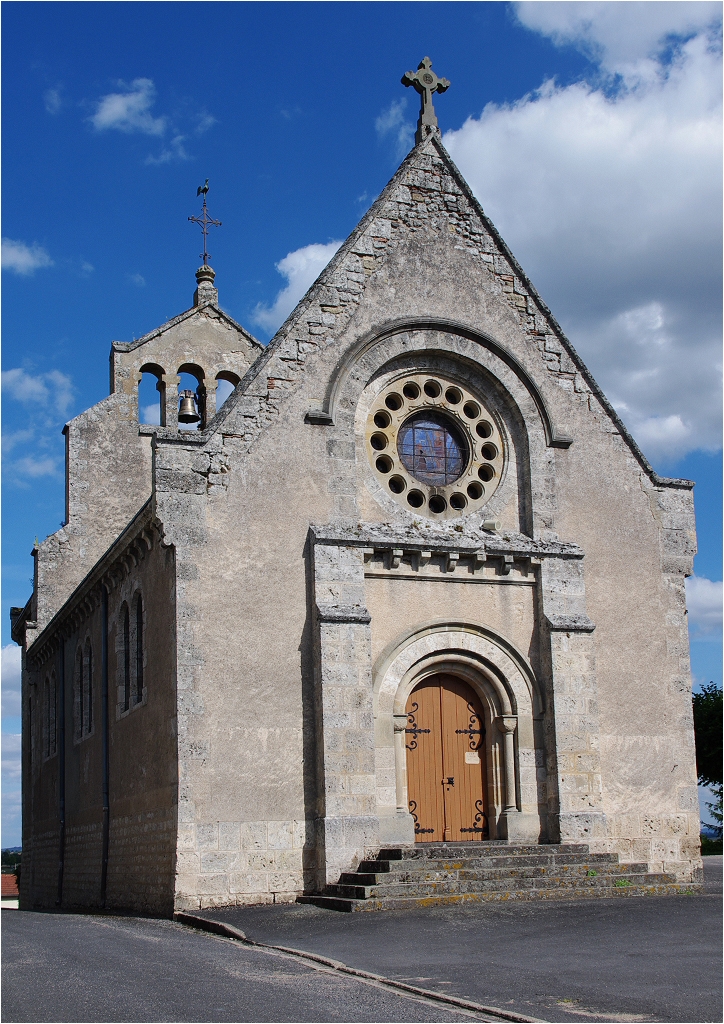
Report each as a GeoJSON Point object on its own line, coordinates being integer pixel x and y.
{"type": "Point", "coordinates": [187, 409]}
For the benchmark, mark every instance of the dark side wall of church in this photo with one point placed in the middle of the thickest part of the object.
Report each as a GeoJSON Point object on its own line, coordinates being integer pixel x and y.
{"type": "Point", "coordinates": [142, 759]}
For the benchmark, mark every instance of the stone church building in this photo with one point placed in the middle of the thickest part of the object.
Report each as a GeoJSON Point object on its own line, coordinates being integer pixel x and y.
{"type": "Point", "coordinates": [412, 583]}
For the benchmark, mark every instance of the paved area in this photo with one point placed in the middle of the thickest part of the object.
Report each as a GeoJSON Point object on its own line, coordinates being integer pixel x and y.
{"type": "Point", "coordinates": [72, 968]}
{"type": "Point", "coordinates": [627, 959]}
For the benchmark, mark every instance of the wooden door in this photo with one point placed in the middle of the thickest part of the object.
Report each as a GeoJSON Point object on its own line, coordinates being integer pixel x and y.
{"type": "Point", "coordinates": [446, 761]}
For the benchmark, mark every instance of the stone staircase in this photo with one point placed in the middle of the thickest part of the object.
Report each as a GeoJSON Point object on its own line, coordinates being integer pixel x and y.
{"type": "Point", "coordinates": [430, 874]}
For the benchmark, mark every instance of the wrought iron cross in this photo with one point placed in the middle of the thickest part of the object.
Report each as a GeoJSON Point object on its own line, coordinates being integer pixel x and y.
{"type": "Point", "coordinates": [204, 220]}
{"type": "Point", "coordinates": [426, 82]}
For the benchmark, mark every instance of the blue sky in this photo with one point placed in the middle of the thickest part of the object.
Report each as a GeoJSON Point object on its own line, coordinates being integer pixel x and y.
{"type": "Point", "coordinates": [591, 133]}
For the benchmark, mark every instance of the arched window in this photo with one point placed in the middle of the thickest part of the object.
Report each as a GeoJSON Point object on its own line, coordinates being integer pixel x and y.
{"type": "Point", "coordinates": [49, 732]}
{"type": "Point", "coordinates": [88, 703]}
{"type": "Point", "coordinates": [79, 695]}
{"type": "Point", "coordinates": [138, 697]}
{"type": "Point", "coordinates": [126, 658]}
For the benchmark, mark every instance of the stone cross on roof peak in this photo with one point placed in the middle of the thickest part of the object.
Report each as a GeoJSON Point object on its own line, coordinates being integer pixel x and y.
{"type": "Point", "coordinates": [426, 82]}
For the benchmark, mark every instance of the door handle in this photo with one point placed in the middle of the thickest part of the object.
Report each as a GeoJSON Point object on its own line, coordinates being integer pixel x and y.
{"type": "Point", "coordinates": [449, 781]}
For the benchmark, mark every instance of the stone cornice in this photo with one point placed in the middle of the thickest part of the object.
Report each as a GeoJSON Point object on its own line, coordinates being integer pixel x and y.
{"type": "Point", "coordinates": [570, 624]}
{"type": "Point", "coordinates": [422, 537]}
{"type": "Point", "coordinates": [109, 571]}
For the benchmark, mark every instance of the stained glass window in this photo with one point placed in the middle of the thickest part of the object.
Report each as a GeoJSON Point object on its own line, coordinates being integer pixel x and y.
{"type": "Point", "coordinates": [432, 449]}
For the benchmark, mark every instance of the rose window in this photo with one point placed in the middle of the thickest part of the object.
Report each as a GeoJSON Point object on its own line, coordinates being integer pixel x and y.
{"type": "Point", "coordinates": [434, 447]}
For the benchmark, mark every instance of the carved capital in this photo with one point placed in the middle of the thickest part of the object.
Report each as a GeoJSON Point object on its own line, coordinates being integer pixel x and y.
{"type": "Point", "coordinates": [507, 723]}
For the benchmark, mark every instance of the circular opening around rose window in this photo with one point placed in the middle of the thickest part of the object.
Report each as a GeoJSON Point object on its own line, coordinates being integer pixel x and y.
{"type": "Point", "coordinates": [432, 449]}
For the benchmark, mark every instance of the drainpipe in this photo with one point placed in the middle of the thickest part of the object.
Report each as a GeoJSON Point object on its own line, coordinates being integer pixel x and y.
{"type": "Point", "coordinates": [104, 732]}
{"type": "Point", "coordinates": [61, 772]}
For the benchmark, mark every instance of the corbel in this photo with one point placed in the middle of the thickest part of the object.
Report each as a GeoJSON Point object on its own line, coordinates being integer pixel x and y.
{"type": "Point", "coordinates": [506, 565]}
{"type": "Point", "coordinates": [451, 561]}
{"type": "Point", "coordinates": [479, 559]}
{"type": "Point", "coordinates": [395, 558]}
{"type": "Point", "coordinates": [368, 554]}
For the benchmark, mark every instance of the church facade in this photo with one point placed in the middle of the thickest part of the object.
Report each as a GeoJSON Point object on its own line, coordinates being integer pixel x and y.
{"type": "Point", "coordinates": [414, 581]}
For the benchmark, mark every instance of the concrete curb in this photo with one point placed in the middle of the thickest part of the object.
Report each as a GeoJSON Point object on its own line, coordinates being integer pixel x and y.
{"type": "Point", "coordinates": [228, 931]}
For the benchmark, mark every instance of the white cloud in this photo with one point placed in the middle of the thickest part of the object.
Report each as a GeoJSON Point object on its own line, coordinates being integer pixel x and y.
{"type": "Point", "coordinates": [204, 122]}
{"type": "Point", "coordinates": [138, 279]}
{"type": "Point", "coordinates": [11, 439]}
{"type": "Point", "coordinates": [51, 388]}
{"type": "Point", "coordinates": [11, 820]}
{"type": "Point", "coordinates": [11, 748]}
{"type": "Point", "coordinates": [11, 655]}
{"type": "Point", "coordinates": [22, 258]}
{"type": "Point", "coordinates": [392, 122]}
{"type": "Point", "coordinates": [151, 413]}
{"type": "Point", "coordinates": [52, 100]}
{"type": "Point", "coordinates": [610, 197]}
{"type": "Point", "coordinates": [704, 602]}
{"type": "Point", "coordinates": [174, 151]}
{"type": "Point", "coordinates": [301, 268]}
{"type": "Point", "coordinates": [29, 466]}
{"type": "Point", "coordinates": [625, 38]}
{"type": "Point", "coordinates": [129, 110]}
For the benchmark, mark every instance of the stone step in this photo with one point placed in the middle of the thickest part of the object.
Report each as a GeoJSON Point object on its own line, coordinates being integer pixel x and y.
{"type": "Point", "coordinates": [422, 851]}
{"type": "Point", "coordinates": [402, 903]}
{"type": "Point", "coordinates": [483, 873]}
{"type": "Point", "coordinates": [419, 889]}
{"type": "Point", "coordinates": [488, 861]}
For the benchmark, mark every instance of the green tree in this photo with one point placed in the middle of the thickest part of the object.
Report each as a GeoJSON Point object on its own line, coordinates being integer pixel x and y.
{"type": "Point", "coordinates": [708, 735]}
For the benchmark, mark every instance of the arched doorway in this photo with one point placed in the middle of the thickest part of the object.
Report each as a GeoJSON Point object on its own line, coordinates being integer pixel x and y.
{"type": "Point", "coordinates": [446, 777]}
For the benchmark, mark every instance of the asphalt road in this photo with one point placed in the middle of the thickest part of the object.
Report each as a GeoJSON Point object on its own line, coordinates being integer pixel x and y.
{"type": "Point", "coordinates": [629, 959]}
{"type": "Point", "coordinates": [72, 968]}
{"type": "Point", "coordinates": [647, 958]}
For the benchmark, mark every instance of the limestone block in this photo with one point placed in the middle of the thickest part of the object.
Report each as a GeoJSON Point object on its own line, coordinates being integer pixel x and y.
{"type": "Point", "coordinates": [229, 836]}
{"type": "Point", "coordinates": [249, 882]}
{"type": "Point", "coordinates": [253, 835]}
{"type": "Point", "coordinates": [216, 863]}
{"type": "Point", "coordinates": [212, 885]}
{"type": "Point", "coordinates": [280, 835]}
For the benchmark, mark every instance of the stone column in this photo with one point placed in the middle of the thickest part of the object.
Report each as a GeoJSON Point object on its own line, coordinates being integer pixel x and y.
{"type": "Point", "coordinates": [210, 387]}
{"type": "Point", "coordinates": [507, 724]}
{"type": "Point", "coordinates": [346, 727]}
{"type": "Point", "coordinates": [513, 824]}
{"type": "Point", "coordinates": [574, 770]}
{"type": "Point", "coordinates": [170, 383]}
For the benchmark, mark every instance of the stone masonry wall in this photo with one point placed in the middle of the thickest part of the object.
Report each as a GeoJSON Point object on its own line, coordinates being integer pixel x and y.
{"type": "Point", "coordinates": [424, 250]}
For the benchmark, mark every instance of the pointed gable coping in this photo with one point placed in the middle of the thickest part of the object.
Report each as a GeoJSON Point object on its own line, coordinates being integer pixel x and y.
{"type": "Point", "coordinates": [130, 346]}
{"type": "Point", "coordinates": [276, 346]}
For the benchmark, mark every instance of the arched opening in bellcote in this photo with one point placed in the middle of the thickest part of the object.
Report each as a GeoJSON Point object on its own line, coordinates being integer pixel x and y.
{"type": "Point", "coordinates": [152, 395]}
{"type": "Point", "coordinates": [192, 396]}
{"type": "Point", "coordinates": [226, 382]}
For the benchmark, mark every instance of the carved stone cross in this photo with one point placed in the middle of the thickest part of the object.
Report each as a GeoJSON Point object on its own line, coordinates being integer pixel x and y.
{"type": "Point", "coordinates": [426, 82]}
